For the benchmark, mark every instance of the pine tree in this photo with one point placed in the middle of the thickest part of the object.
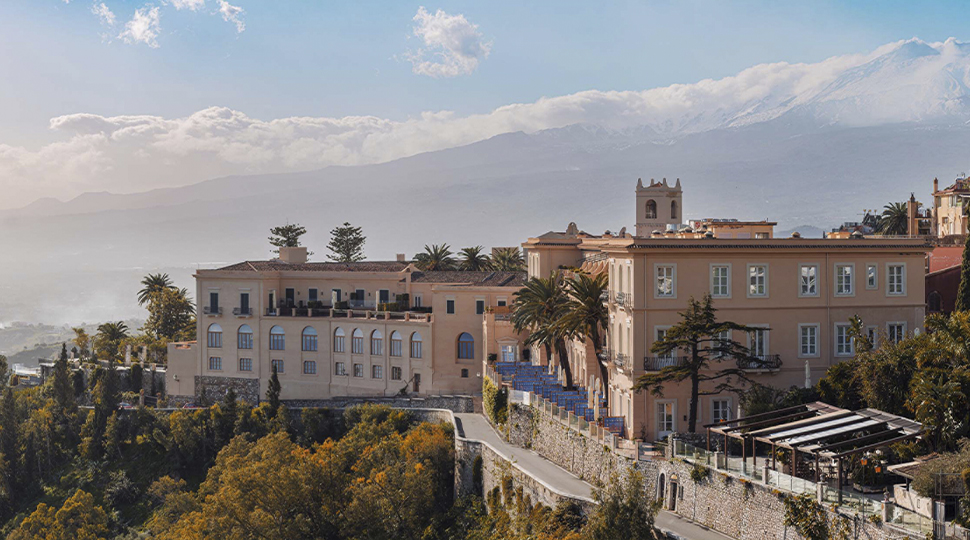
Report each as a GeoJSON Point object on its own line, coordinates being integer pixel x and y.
{"type": "Point", "coordinates": [9, 432]}
{"type": "Point", "coordinates": [346, 244]}
{"type": "Point", "coordinates": [63, 387]}
{"type": "Point", "coordinates": [4, 372]}
{"type": "Point", "coordinates": [273, 392]}
{"type": "Point", "coordinates": [286, 236]}
{"type": "Point", "coordinates": [112, 437]}
{"type": "Point", "coordinates": [963, 294]}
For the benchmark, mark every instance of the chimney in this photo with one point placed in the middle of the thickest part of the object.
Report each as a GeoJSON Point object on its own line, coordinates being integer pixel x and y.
{"type": "Point", "coordinates": [936, 185]}
{"type": "Point", "coordinates": [293, 255]}
{"type": "Point", "coordinates": [402, 257]}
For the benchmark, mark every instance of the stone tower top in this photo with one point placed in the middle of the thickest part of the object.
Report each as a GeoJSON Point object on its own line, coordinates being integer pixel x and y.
{"type": "Point", "coordinates": [659, 206]}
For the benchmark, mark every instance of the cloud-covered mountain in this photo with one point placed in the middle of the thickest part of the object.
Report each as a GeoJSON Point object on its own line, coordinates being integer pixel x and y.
{"type": "Point", "coordinates": [803, 144]}
{"type": "Point", "coordinates": [906, 81]}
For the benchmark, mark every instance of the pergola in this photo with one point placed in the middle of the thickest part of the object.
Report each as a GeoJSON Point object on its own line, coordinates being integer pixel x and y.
{"type": "Point", "coordinates": [817, 430]}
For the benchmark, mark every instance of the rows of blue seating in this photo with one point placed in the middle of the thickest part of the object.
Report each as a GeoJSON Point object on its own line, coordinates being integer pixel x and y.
{"type": "Point", "coordinates": [526, 377]}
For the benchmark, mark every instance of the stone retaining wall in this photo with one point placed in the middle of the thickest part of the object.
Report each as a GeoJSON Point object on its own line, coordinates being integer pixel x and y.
{"type": "Point", "coordinates": [213, 389]}
{"type": "Point", "coordinates": [458, 404]}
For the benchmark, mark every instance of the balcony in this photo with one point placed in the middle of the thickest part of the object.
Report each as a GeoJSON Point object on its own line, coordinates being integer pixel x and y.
{"type": "Point", "coordinates": [415, 315]}
{"type": "Point", "coordinates": [242, 312]}
{"type": "Point", "coordinates": [657, 363]}
{"type": "Point", "coordinates": [621, 360]}
{"type": "Point", "coordinates": [623, 299]}
{"type": "Point", "coordinates": [765, 362]}
{"type": "Point", "coordinates": [215, 311]}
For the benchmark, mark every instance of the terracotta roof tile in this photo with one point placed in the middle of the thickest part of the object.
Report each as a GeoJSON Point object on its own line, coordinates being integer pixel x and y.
{"type": "Point", "coordinates": [484, 279]}
{"type": "Point", "coordinates": [277, 265]}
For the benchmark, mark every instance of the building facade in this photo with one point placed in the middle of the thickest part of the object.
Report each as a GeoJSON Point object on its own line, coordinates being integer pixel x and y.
{"type": "Point", "coordinates": [799, 293]}
{"type": "Point", "coordinates": [335, 329]}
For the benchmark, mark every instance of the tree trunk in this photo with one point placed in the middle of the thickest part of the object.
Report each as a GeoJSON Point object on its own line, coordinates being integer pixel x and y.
{"type": "Point", "coordinates": [548, 348]}
{"type": "Point", "coordinates": [694, 391]}
{"type": "Point", "coordinates": [564, 362]}
{"type": "Point", "coordinates": [604, 371]}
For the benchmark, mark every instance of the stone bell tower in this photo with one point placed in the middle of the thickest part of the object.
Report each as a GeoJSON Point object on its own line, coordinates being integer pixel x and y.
{"type": "Point", "coordinates": [658, 205]}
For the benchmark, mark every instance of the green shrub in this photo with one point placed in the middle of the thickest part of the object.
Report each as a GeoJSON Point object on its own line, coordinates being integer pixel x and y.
{"type": "Point", "coordinates": [495, 402]}
{"type": "Point", "coordinates": [699, 472]}
{"type": "Point", "coordinates": [477, 477]}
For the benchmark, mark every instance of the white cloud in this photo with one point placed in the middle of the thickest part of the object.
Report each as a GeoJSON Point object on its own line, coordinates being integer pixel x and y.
{"type": "Point", "coordinates": [452, 46]}
{"type": "Point", "coordinates": [231, 13]}
{"type": "Point", "coordinates": [101, 152]}
{"type": "Point", "coordinates": [103, 13]}
{"type": "Point", "coordinates": [143, 27]}
{"type": "Point", "coordinates": [193, 5]}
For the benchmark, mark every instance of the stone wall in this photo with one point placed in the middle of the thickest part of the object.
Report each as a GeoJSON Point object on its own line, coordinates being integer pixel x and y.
{"type": "Point", "coordinates": [531, 427]}
{"type": "Point", "coordinates": [213, 389]}
{"type": "Point", "coordinates": [742, 509]}
{"type": "Point", "coordinates": [458, 404]}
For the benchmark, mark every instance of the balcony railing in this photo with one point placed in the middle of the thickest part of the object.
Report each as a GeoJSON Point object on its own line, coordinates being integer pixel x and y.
{"type": "Point", "coordinates": [621, 360]}
{"type": "Point", "coordinates": [657, 363]}
{"type": "Point", "coordinates": [624, 299]}
{"type": "Point", "coordinates": [242, 312]}
{"type": "Point", "coordinates": [212, 310]}
{"type": "Point", "coordinates": [765, 362]}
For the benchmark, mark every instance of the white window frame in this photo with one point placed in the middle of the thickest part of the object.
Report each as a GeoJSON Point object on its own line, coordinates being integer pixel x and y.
{"type": "Point", "coordinates": [802, 293]}
{"type": "Point", "coordinates": [874, 284]}
{"type": "Point", "coordinates": [720, 399]}
{"type": "Point", "coordinates": [215, 363]}
{"type": "Point", "coordinates": [673, 416]}
{"type": "Point", "coordinates": [851, 267]}
{"type": "Point", "coordinates": [848, 339]}
{"type": "Point", "coordinates": [890, 325]}
{"type": "Point", "coordinates": [673, 281]}
{"type": "Point", "coordinates": [747, 278]}
{"type": "Point", "coordinates": [656, 337]}
{"type": "Point", "coordinates": [872, 332]}
{"type": "Point", "coordinates": [714, 293]}
{"type": "Point", "coordinates": [889, 281]}
{"type": "Point", "coordinates": [818, 331]}
{"type": "Point", "coordinates": [725, 335]}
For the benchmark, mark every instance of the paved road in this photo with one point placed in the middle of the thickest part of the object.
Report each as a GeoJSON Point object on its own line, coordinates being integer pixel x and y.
{"type": "Point", "coordinates": [474, 426]}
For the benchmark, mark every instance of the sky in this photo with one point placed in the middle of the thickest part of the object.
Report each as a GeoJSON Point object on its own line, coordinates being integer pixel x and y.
{"type": "Point", "coordinates": [78, 75]}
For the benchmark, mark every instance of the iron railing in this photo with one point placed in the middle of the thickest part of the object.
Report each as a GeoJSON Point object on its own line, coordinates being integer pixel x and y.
{"type": "Point", "coordinates": [656, 363]}
{"type": "Point", "coordinates": [764, 362]}
{"type": "Point", "coordinates": [242, 312]}
{"type": "Point", "coordinates": [212, 310]}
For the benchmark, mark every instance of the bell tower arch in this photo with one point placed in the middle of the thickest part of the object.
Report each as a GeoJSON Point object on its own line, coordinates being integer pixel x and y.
{"type": "Point", "coordinates": [658, 205]}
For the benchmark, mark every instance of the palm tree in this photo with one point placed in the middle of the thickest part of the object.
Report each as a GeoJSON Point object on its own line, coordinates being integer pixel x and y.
{"type": "Point", "coordinates": [473, 260]}
{"type": "Point", "coordinates": [507, 259]}
{"type": "Point", "coordinates": [436, 257]}
{"type": "Point", "coordinates": [109, 338]}
{"type": "Point", "coordinates": [945, 344]}
{"type": "Point", "coordinates": [894, 219]}
{"type": "Point", "coordinates": [941, 406]}
{"type": "Point", "coordinates": [537, 308]}
{"type": "Point", "coordinates": [585, 315]}
{"type": "Point", "coordinates": [153, 283]}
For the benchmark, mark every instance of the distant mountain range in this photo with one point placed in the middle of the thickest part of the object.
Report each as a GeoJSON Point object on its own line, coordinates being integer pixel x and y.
{"type": "Point", "coordinates": [858, 134]}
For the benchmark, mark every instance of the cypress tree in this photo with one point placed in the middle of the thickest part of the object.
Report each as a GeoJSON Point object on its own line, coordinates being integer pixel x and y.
{"type": "Point", "coordinates": [273, 392]}
{"type": "Point", "coordinates": [963, 294]}
{"type": "Point", "coordinates": [63, 387]}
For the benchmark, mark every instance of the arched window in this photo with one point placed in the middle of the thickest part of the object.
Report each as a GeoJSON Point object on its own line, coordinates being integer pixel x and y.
{"type": "Point", "coordinates": [277, 338]}
{"type": "Point", "coordinates": [466, 346]}
{"type": "Point", "coordinates": [673, 209]}
{"type": "Point", "coordinates": [214, 337]}
{"type": "Point", "coordinates": [415, 345]}
{"type": "Point", "coordinates": [338, 340]}
{"type": "Point", "coordinates": [309, 339]}
{"type": "Point", "coordinates": [396, 344]}
{"type": "Point", "coordinates": [357, 342]}
{"type": "Point", "coordinates": [651, 209]}
{"type": "Point", "coordinates": [935, 302]}
{"type": "Point", "coordinates": [376, 343]}
{"type": "Point", "coordinates": [245, 338]}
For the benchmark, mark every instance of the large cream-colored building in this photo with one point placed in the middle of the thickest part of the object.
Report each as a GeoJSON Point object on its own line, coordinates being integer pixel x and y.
{"type": "Point", "coordinates": [799, 292]}
{"type": "Point", "coordinates": [334, 329]}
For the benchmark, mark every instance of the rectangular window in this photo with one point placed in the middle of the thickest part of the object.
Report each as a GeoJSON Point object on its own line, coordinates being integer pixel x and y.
{"type": "Point", "coordinates": [665, 281]}
{"type": "Point", "coordinates": [758, 342]}
{"type": "Point", "coordinates": [843, 342]}
{"type": "Point", "coordinates": [720, 410]}
{"type": "Point", "coordinates": [244, 303]}
{"type": "Point", "coordinates": [215, 363]}
{"type": "Point", "coordinates": [214, 302]}
{"type": "Point", "coordinates": [661, 334]}
{"type": "Point", "coordinates": [808, 340]}
{"type": "Point", "coordinates": [335, 296]}
{"type": "Point", "coordinates": [383, 296]}
{"type": "Point", "coordinates": [309, 342]}
{"type": "Point", "coordinates": [721, 281]}
{"type": "Point", "coordinates": [278, 366]}
{"type": "Point", "coordinates": [360, 295]}
{"type": "Point", "coordinates": [502, 302]}
{"type": "Point", "coordinates": [761, 235]}
{"type": "Point", "coordinates": [277, 342]}
{"type": "Point", "coordinates": [450, 307]}
{"type": "Point", "coordinates": [357, 344]}
{"type": "Point", "coordinates": [339, 368]}
{"type": "Point", "coordinates": [896, 280]}
{"type": "Point", "coordinates": [338, 342]}
{"type": "Point", "coordinates": [808, 280]}
{"type": "Point", "coordinates": [665, 418]}
{"type": "Point", "coordinates": [377, 372]}
{"type": "Point", "coordinates": [358, 370]}
{"type": "Point", "coordinates": [872, 332]}
{"type": "Point", "coordinates": [479, 307]}
{"type": "Point", "coordinates": [417, 301]}
{"type": "Point", "coordinates": [376, 346]}
{"type": "Point", "coordinates": [395, 374]}
{"type": "Point", "coordinates": [395, 346]}
{"type": "Point", "coordinates": [290, 296]}
{"type": "Point", "coordinates": [464, 374]}
{"type": "Point", "coordinates": [415, 348]}
{"type": "Point", "coordinates": [214, 339]}
{"type": "Point", "coordinates": [896, 332]}
{"type": "Point", "coordinates": [245, 364]}
{"type": "Point", "coordinates": [309, 367]}
{"type": "Point", "coordinates": [312, 295]}
{"type": "Point", "coordinates": [757, 280]}
{"type": "Point", "coordinates": [722, 340]}
{"type": "Point", "coordinates": [843, 280]}
{"type": "Point", "coordinates": [872, 276]}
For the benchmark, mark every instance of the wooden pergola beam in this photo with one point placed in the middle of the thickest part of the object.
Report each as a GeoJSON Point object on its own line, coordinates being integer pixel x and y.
{"type": "Point", "coordinates": [755, 416]}
{"type": "Point", "coordinates": [878, 445]}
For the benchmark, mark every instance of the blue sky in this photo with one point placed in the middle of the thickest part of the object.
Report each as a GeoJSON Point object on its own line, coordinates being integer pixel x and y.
{"type": "Point", "coordinates": [328, 58]}
{"type": "Point", "coordinates": [334, 59]}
